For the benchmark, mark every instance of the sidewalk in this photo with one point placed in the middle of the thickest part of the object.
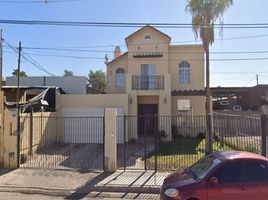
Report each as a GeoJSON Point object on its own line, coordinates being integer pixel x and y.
{"type": "Point", "coordinates": [72, 184]}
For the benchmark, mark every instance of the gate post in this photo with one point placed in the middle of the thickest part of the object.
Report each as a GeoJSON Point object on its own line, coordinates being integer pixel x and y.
{"type": "Point", "coordinates": [110, 143]}
{"type": "Point", "coordinates": [264, 130]}
{"type": "Point", "coordinates": [31, 133]}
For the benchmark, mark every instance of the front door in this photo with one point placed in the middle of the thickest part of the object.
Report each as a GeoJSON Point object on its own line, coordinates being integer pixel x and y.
{"type": "Point", "coordinates": [147, 119]}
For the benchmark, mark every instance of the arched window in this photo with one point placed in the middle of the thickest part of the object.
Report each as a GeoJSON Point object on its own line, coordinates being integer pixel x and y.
{"type": "Point", "coordinates": [120, 78]}
{"type": "Point", "coordinates": [184, 73]}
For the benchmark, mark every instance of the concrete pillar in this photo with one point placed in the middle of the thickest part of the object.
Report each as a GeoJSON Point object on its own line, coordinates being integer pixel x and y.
{"type": "Point", "coordinates": [9, 140]}
{"type": "Point", "coordinates": [1, 129]}
{"type": "Point", "coordinates": [110, 143]}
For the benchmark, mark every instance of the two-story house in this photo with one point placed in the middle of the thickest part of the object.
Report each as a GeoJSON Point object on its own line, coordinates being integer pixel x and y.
{"type": "Point", "coordinates": [158, 77]}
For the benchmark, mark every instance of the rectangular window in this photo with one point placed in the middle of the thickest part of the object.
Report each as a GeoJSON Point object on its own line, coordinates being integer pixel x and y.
{"type": "Point", "coordinates": [256, 171]}
{"type": "Point", "coordinates": [184, 76]}
{"type": "Point", "coordinates": [229, 172]}
{"type": "Point", "coordinates": [184, 73]}
{"type": "Point", "coordinates": [148, 76]}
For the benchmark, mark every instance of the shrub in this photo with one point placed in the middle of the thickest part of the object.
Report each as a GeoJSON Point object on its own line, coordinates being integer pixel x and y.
{"type": "Point", "coordinates": [162, 135]}
{"type": "Point", "coordinates": [174, 132]}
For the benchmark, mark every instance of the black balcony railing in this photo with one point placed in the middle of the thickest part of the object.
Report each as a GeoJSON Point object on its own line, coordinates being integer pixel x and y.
{"type": "Point", "coordinates": [147, 82]}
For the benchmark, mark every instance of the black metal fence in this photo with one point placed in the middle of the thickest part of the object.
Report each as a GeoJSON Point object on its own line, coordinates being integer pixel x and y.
{"type": "Point", "coordinates": [144, 142]}
{"type": "Point", "coordinates": [173, 142]}
{"type": "Point", "coordinates": [239, 132]}
{"type": "Point", "coordinates": [62, 142]}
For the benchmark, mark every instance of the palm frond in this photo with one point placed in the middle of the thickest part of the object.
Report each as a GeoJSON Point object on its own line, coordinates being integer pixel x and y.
{"type": "Point", "coordinates": [204, 14]}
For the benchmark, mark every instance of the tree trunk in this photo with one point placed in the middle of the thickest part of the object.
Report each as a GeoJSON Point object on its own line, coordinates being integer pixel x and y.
{"type": "Point", "coordinates": [209, 116]}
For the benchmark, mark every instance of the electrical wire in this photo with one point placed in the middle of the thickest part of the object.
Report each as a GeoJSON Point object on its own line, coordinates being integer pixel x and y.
{"type": "Point", "coordinates": [34, 63]}
{"type": "Point", "coordinates": [128, 24]}
{"type": "Point", "coordinates": [39, 1]}
{"type": "Point", "coordinates": [156, 59]}
{"type": "Point", "coordinates": [66, 56]}
{"type": "Point", "coordinates": [236, 72]}
{"type": "Point", "coordinates": [178, 42]}
{"type": "Point", "coordinates": [170, 52]}
{"type": "Point", "coordinates": [29, 59]}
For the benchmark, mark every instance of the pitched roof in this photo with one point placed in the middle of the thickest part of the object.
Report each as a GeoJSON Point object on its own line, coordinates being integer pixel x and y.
{"type": "Point", "coordinates": [147, 26]}
{"type": "Point", "coordinates": [119, 57]}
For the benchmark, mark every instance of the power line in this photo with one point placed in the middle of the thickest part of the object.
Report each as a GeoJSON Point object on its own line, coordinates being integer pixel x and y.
{"type": "Point", "coordinates": [171, 52]}
{"type": "Point", "coordinates": [128, 24]}
{"type": "Point", "coordinates": [215, 59]}
{"type": "Point", "coordinates": [36, 64]}
{"type": "Point", "coordinates": [100, 58]}
{"type": "Point", "coordinates": [240, 73]}
{"type": "Point", "coordinates": [29, 59]}
{"type": "Point", "coordinates": [66, 56]}
{"type": "Point", "coordinates": [39, 1]}
{"type": "Point", "coordinates": [177, 42]}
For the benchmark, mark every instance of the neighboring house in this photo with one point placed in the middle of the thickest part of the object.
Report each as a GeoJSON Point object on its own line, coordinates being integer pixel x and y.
{"type": "Point", "coordinates": [158, 77]}
{"type": "Point", "coordinates": [226, 103]}
{"type": "Point", "coordinates": [249, 98]}
{"type": "Point", "coordinates": [70, 85]}
{"type": "Point", "coordinates": [31, 96]}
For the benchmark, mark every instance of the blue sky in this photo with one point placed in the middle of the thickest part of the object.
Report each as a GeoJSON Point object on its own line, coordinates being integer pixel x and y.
{"type": "Point", "coordinates": [223, 73]}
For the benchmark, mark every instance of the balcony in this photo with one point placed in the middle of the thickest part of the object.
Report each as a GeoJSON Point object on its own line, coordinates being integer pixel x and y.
{"type": "Point", "coordinates": [147, 82]}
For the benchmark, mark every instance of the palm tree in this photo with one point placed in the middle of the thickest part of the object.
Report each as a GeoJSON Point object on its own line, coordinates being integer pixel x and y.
{"type": "Point", "coordinates": [204, 14]}
{"type": "Point", "coordinates": [15, 73]}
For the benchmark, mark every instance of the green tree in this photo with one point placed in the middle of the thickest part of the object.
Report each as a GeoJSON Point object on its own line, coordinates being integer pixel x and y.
{"type": "Point", "coordinates": [15, 73]}
{"type": "Point", "coordinates": [204, 15]}
{"type": "Point", "coordinates": [68, 73]}
{"type": "Point", "coordinates": [97, 80]}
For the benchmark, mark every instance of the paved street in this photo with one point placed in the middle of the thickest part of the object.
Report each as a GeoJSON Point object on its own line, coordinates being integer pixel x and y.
{"type": "Point", "coordinates": [92, 196]}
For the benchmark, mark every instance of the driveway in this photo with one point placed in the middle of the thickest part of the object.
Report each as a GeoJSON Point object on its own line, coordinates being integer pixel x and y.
{"type": "Point", "coordinates": [67, 156]}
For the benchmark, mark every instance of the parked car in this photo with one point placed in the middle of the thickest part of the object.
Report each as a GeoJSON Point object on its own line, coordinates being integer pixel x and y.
{"type": "Point", "coordinates": [220, 176]}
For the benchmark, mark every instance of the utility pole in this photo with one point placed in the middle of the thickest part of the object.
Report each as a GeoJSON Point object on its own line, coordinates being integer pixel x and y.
{"type": "Point", "coordinates": [18, 109]}
{"type": "Point", "coordinates": [1, 59]}
{"type": "Point", "coordinates": [257, 79]}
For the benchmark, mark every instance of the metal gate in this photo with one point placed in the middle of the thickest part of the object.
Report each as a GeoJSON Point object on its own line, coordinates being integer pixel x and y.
{"type": "Point", "coordinates": [141, 141]}
{"type": "Point", "coordinates": [62, 142]}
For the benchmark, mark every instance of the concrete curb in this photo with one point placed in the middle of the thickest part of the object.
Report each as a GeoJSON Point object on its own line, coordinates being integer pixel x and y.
{"type": "Point", "coordinates": [43, 191]}
{"type": "Point", "coordinates": [66, 192]}
{"type": "Point", "coordinates": [145, 190]}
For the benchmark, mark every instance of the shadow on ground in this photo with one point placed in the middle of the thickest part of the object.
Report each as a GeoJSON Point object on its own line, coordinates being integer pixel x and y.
{"type": "Point", "coordinates": [122, 184]}
{"type": "Point", "coordinates": [5, 171]}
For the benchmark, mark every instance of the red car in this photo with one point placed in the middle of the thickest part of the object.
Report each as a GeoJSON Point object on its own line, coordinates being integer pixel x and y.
{"type": "Point", "coordinates": [220, 176]}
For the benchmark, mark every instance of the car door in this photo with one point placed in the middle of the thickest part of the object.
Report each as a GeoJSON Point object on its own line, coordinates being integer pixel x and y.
{"type": "Point", "coordinates": [230, 183]}
{"type": "Point", "coordinates": [256, 179]}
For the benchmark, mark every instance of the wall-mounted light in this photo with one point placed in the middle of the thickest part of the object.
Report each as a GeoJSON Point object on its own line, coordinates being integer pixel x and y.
{"type": "Point", "coordinates": [165, 100]}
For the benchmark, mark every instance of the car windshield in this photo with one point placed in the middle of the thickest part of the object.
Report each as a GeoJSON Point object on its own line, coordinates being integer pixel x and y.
{"type": "Point", "coordinates": [202, 167]}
